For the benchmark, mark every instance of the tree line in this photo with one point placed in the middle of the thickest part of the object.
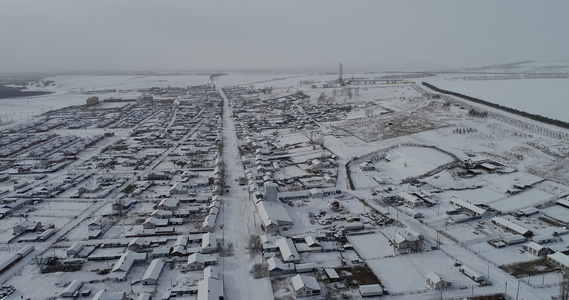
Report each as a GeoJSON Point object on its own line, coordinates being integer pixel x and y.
{"type": "Point", "coordinates": [535, 117]}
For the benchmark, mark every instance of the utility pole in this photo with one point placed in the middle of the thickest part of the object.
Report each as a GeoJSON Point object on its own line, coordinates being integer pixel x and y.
{"type": "Point", "coordinates": [518, 291]}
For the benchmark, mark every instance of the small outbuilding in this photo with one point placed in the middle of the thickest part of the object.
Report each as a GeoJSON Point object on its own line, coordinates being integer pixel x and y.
{"type": "Point", "coordinates": [371, 290]}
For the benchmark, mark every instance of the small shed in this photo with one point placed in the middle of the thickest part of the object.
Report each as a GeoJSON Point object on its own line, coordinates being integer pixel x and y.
{"type": "Point", "coordinates": [332, 275]}
{"type": "Point", "coordinates": [371, 290]}
{"type": "Point", "coordinates": [514, 239]}
{"type": "Point", "coordinates": [74, 249]}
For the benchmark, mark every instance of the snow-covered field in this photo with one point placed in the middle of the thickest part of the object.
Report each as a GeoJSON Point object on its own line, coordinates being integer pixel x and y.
{"type": "Point", "coordinates": [546, 97]}
{"type": "Point", "coordinates": [535, 160]}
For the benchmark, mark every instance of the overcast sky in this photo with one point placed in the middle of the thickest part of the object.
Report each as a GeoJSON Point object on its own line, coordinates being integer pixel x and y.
{"type": "Point", "coordinates": [40, 36]}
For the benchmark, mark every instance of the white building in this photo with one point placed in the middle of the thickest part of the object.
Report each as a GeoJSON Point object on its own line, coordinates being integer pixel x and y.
{"type": "Point", "coordinates": [305, 286]}
{"type": "Point", "coordinates": [153, 272]}
{"type": "Point", "coordinates": [271, 190]}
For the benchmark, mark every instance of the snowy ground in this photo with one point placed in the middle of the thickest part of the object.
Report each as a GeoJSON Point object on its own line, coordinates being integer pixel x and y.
{"type": "Point", "coordinates": [542, 164]}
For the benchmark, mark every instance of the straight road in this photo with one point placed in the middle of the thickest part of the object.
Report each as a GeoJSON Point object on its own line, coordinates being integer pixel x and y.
{"type": "Point", "coordinates": [238, 218]}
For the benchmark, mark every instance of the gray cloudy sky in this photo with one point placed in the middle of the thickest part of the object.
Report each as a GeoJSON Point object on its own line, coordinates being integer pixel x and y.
{"type": "Point", "coordinates": [39, 36]}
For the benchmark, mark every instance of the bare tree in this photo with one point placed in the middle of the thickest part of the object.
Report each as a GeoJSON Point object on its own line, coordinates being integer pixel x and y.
{"type": "Point", "coordinates": [564, 288]}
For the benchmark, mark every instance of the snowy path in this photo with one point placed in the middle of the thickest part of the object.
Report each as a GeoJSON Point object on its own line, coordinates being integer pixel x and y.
{"type": "Point", "coordinates": [238, 219]}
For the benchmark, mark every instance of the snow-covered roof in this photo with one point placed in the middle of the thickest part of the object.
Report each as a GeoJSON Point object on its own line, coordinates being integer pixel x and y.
{"type": "Point", "coordinates": [371, 290]}
{"type": "Point", "coordinates": [211, 272]}
{"type": "Point", "coordinates": [75, 247]}
{"type": "Point", "coordinates": [300, 281]}
{"type": "Point", "coordinates": [127, 259]}
{"type": "Point", "coordinates": [210, 289]}
{"type": "Point", "coordinates": [434, 277]}
{"type": "Point", "coordinates": [560, 258]}
{"type": "Point", "coordinates": [534, 246]}
{"type": "Point", "coordinates": [273, 213]}
{"type": "Point", "coordinates": [287, 249]}
{"type": "Point", "coordinates": [510, 225]}
{"type": "Point", "coordinates": [104, 295]}
{"type": "Point", "coordinates": [154, 270]}
{"type": "Point", "coordinates": [332, 274]}
{"type": "Point", "coordinates": [467, 205]}
{"type": "Point", "coordinates": [208, 240]}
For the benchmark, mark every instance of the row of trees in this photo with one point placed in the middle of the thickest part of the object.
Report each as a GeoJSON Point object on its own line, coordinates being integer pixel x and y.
{"type": "Point", "coordinates": [518, 112]}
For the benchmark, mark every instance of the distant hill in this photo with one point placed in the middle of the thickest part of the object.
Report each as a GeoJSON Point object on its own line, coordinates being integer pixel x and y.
{"type": "Point", "coordinates": [10, 92]}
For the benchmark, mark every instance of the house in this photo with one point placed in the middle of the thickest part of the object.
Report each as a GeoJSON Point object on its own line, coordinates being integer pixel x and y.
{"type": "Point", "coordinates": [535, 249]}
{"type": "Point", "coordinates": [511, 227]}
{"type": "Point", "coordinates": [208, 223]}
{"type": "Point", "coordinates": [288, 251]}
{"type": "Point", "coordinates": [162, 214]}
{"type": "Point", "coordinates": [90, 188]}
{"type": "Point", "coordinates": [559, 259]}
{"type": "Point", "coordinates": [209, 243]}
{"type": "Point", "coordinates": [74, 249]}
{"type": "Point", "coordinates": [169, 204]}
{"type": "Point", "coordinates": [152, 223]}
{"type": "Point", "coordinates": [138, 244]}
{"type": "Point", "coordinates": [96, 224]}
{"type": "Point", "coordinates": [406, 242]}
{"type": "Point", "coordinates": [305, 268]}
{"type": "Point", "coordinates": [144, 296]}
{"type": "Point", "coordinates": [543, 238]}
{"type": "Point", "coordinates": [210, 289]}
{"type": "Point", "coordinates": [316, 193]}
{"type": "Point", "coordinates": [514, 239]}
{"type": "Point", "coordinates": [276, 267]}
{"type": "Point", "coordinates": [160, 252]}
{"type": "Point", "coordinates": [367, 166]}
{"type": "Point", "coordinates": [211, 272]}
{"type": "Point", "coordinates": [469, 207]}
{"type": "Point", "coordinates": [526, 212]}
{"type": "Point", "coordinates": [119, 209]}
{"type": "Point", "coordinates": [305, 286]}
{"type": "Point", "coordinates": [273, 215]}
{"type": "Point", "coordinates": [26, 226]}
{"type": "Point", "coordinates": [104, 295]}
{"type": "Point", "coordinates": [435, 281]}
{"type": "Point", "coordinates": [153, 272]}
{"type": "Point", "coordinates": [410, 200]}
{"type": "Point", "coordinates": [198, 261]}
{"type": "Point", "coordinates": [126, 261]}
{"type": "Point", "coordinates": [72, 288]}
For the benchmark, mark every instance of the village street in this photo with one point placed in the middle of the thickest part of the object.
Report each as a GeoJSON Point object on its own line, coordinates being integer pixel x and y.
{"type": "Point", "coordinates": [237, 218]}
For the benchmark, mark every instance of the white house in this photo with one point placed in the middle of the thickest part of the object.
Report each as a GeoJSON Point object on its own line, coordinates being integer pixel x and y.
{"type": "Point", "coordinates": [559, 259]}
{"type": "Point", "coordinates": [535, 249]}
{"type": "Point", "coordinates": [305, 286]}
{"type": "Point", "coordinates": [96, 224]}
{"type": "Point", "coordinates": [198, 261]}
{"type": "Point", "coordinates": [277, 267]}
{"type": "Point", "coordinates": [209, 243]}
{"type": "Point", "coordinates": [74, 249]}
{"type": "Point", "coordinates": [153, 272]}
{"type": "Point", "coordinates": [288, 251]}
{"type": "Point", "coordinates": [435, 281]}
{"type": "Point", "coordinates": [72, 288]}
